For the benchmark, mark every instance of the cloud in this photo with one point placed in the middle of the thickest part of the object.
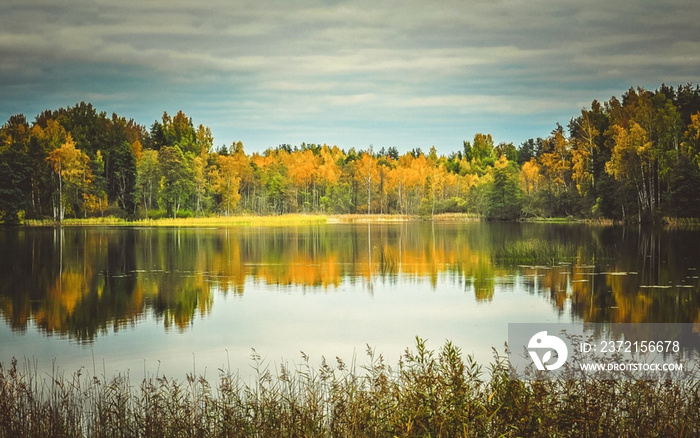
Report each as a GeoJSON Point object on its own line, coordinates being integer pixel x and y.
{"type": "Point", "coordinates": [344, 64]}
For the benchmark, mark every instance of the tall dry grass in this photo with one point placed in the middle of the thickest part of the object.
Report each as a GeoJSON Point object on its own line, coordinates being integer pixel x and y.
{"type": "Point", "coordinates": [427, 394]}
{"type": "Point", "coordinates": [238, 220]}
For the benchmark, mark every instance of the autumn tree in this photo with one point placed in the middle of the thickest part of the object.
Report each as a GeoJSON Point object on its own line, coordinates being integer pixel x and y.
{"type": "Point", "coordinates": [274, 180]}
{"type": "Point", "coordinates": [632, 163]}
{"type": "Point", "coordinates": [556, 162]}
{"type": "Point", "coordinates": [531, 183]}
{"type": "Point", "coordinates": [248, 184]}
{"type": "Point", "coordinates": [200, 183]}
{"type": "Point", "coordinates": [434, 187]}
{"type": "Point", "coordinates": [95, 197]}
{"type": "Point", "coordinates": [690, 147]}
{"type": "Point", "coordinates": [416, 172]}
{"type": "Point", "coordinates": [204, 140]}
{"type": "Point", "coordinates": [585, 146]}
{"type": "Point", "coordinates": [367, 174]}
{"type": "Point", "coordinates": [72, 168]}
{"type": "Point", "coordinates": [328, 173]}
{"type": "Point", "coordinates": [47, 135]}
{"type": "Point", "coordinates": [302, 167]}
{"type": "Point", "coordinates": [227, 182]}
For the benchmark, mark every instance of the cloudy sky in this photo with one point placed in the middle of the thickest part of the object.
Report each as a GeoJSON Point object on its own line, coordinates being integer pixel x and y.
{"type": "Point", "coordinates": [353, 73]}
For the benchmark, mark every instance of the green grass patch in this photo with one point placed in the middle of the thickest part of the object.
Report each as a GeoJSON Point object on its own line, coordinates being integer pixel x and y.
{"type": "Point", "coordinates": [547, 252]}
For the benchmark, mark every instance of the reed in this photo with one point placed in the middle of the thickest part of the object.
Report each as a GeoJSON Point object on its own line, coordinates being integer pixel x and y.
{"type": "Point", "coordinates": [456, 217]}
{"type": "Point", "coordinates": [681, 222]}
{"type": "Point", "coordinates": [549, 252]}
{"type": "Point", "coordinates": [428, 393]}
{"type": "Point", "coordinates": [554, 220]}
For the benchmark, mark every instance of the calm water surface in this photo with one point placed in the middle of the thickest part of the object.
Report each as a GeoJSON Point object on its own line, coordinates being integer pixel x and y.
{"type": "Point", "coordinates": [177, 300]}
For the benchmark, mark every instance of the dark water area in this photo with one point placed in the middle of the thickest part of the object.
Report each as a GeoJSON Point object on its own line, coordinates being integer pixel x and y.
{"type": "Point", "coordinates": [178, 300]}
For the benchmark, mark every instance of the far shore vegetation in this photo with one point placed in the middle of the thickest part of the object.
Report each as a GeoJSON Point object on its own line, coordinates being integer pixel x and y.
{"type": "Point", "coordinates": [297, 219]}
{"type": "Point", "coordinates": [291, 219]}
{"type": "Point", "coordinates": [427, 394]}
{"type": "Point", "coordinates": [632, 159]}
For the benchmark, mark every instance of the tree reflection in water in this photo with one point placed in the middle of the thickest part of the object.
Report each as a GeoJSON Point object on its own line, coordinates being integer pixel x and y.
{"type": "Point", "coordinates": [81, 282]}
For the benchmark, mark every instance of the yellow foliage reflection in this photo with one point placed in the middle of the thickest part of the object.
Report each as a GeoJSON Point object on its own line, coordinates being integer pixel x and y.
{"type": "Point", "coordinates": [82, 282]}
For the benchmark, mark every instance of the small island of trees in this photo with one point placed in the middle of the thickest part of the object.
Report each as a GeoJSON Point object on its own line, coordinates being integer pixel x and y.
{"type": "Point", "coordinates": [631, 159]}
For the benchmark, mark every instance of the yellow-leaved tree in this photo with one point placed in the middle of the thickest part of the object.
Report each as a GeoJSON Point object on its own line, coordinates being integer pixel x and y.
{"type": "Point", "coordinates": [227, 182]}
{"type": "Point", "coordinates": [72, 167]}
{"type": "Point", "coordinates": [367, 174]}
{"type": "Point", "coordinates": [631, 162]}
{"type": "Point", "coordinates": [582, 154]}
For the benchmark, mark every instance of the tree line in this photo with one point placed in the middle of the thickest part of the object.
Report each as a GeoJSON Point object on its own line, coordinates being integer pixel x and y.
{"type": "Point", "coordinates": [636, 158]}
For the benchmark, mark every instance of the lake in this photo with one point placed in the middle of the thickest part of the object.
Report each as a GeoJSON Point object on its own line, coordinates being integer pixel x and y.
{"type": "Point", "coordinates": [181, 300]}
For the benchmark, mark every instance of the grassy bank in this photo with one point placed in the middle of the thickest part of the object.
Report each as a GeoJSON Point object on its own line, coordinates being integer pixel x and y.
{"type": "Point", "coordinates": [307, 219]}
{"type": "Point", "coordinates": [242, 220]}
{"type": "Point", "coordinates": [437, 394]}
{"type": "Point", "coordinates": [250, 220]}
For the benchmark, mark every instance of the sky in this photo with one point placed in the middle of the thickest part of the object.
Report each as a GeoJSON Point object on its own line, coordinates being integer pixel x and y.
{"type": "Point", "coordinates": [349, 73]}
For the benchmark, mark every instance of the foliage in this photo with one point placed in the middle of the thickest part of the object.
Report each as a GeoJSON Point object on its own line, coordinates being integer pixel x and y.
{"type": "Point", "coordinates": [72, 168]}
{"type": "Point", "coordinates": [147, 180]}
{"type": "Point", "coordinates": [176, 182]}
{"type": "Point", "coordinates": [15, 182]}
{"type": "Point", "coordinates": [630, 159]}
{"type": "Point", "coordinates": [505, 193]}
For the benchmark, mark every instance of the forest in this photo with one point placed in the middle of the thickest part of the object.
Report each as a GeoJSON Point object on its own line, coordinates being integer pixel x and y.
{"type": "Point", "coordinates": [633, 159]}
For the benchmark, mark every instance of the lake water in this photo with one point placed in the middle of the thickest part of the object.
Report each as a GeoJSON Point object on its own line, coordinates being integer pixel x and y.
{"type": "Point", "coordinates": [178, 300]}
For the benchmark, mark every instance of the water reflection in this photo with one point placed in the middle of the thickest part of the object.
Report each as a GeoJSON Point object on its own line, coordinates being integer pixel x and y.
{"type": "Point", "coordinates": [81, 282]}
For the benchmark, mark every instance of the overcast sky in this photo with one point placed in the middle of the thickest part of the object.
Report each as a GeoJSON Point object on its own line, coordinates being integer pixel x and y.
{"type": "Point", "coordinates": [352, 73]}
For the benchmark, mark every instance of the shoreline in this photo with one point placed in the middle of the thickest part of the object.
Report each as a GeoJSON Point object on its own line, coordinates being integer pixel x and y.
{"type": "Point", "coordinates": [293, 219]}
{"type": "Point", "coordinates": [300, 219]}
